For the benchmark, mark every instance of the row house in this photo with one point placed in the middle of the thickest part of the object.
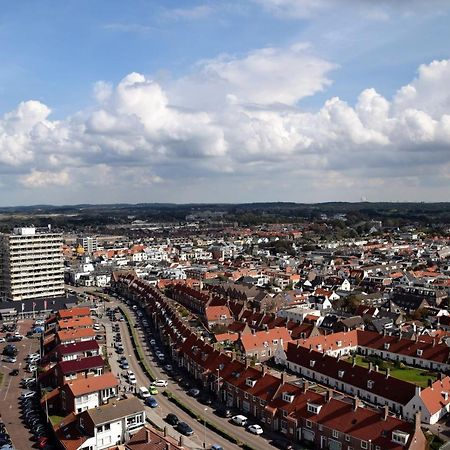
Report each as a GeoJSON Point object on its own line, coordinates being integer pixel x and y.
{"type": "Point", "coordinates": [76, 335]}
{"type": "Point", "coordinates": [74, 323]}
{"type": "Point", "coordinates": [261, 345]}
{"type": "Point", "coordinates": [254, 391]}
{"type": "Point", "coordinates": [103, 427]}
{"type": "Point", "coordinates": [401, 397]}
{"type": "Point", "coordinates": [86, 393]}
{"type": "Point", "coordinates": [77, 350]}
{"type": "Point", "coordinates": [65, 371]}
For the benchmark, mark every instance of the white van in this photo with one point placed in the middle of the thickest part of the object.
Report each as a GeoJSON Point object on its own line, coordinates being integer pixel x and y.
{"type": "Point", "coordinates": [143, 392]}
{"type": "Point", "coordinates": [239, 420]}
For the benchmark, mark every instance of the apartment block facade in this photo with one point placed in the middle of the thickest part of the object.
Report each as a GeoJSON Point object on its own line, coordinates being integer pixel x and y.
{"type": "Point", "coordinates": [31, 264]}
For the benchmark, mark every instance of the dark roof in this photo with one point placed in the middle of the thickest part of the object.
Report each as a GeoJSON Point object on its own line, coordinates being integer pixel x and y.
{"type": "Point", "coordinates": [82, 346]}
{"type": "Point", "coordinates": [387, 387]}
{"type": "Point", "coordinates": [114, 410]}
{"type": "Point", "coordinates": [78, 365]}
{"type": "Point", "coordinates": [53, 303]}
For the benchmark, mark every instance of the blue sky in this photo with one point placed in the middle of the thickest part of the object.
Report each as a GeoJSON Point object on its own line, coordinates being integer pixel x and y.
{"type": "Point", "coordinates": [273, 66]}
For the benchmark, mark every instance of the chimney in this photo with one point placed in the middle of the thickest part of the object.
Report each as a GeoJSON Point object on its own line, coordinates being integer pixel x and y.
{"type": "Point", "coordinates": [328, 395]}
{"type": "Point", "coordinates": [418, 391]}
{"type": "Point", "coordinates": [310, 348]}
{"type": "Point", "coordinates": [253, 331]}
{"type": "Point", "coordinates": [370, 367]}
{"type": "Point", "coordinates": [181, 441]}
{"type": "Point", "coordinates": [355, 403]}
{"type": "Point", "coordinates": [283, 377]}
{"type": "Point", "coordinates": [388, 372]}
{"type": "Point", "coordinates": [385, 412]}
{"type": "Point", "coordinates": [263, 369]}
{"type": "Point", "coordinates": [434, 342]}
{"type": "Point", "coordinates": [376, 368]}
{"type": "Point", "coordinates": [430, 383]}
{"type": "Point", "coordinates": [305, 386]}
{"type": "Point", "coordinates": [165, 431]}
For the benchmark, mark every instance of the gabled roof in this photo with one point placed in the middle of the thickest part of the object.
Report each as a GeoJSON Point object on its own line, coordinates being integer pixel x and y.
{"type": "Point", "coordinates": [82, 386]}
{"type": "Point", "coordinates": [77, 322]}
{"type": "Point", "coordinates": [387, 387]}
{"type": "Point", "coordinates": [78, 333]}
{"type": "Point", "coordinates": [76, 347]}
{"type": "Point", "coordinates": [436, 396]}
{"type": "Point", "coordinates": [80, 365]}
{"type": "Point", "coordinates": [114, 410]}
{"type": "Point", "coordinates": [254, 341]}
{"type": "Point", "coordinates": [73, 312]}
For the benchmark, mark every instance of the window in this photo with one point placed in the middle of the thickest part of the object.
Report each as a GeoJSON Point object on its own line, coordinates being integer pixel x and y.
{"type": "Point", "coordinates": [313, 408]}
{"type": "Point", "coordinates": [311, 363]}
{"type": "Point", "coordinates": [107, 427]}
{"type": "Point", "coordinates": [370, 384]}
{"type": "Point", "coordinates": [363, 444]}
{"type": "Point", "coordinates": [347, 438]}
{"type": "Point", "coordinates": [308, 424]}
{"type": "Point", "coordinates": [285, 414]}
{"type": "Point", "coordinates": [288, 397]}
{"type": "Point", "coordinates": [336, 434]}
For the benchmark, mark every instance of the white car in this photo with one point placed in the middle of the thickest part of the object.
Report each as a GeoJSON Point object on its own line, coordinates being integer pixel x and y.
{"type": "Point", "coordinates": [27, 394]}
{"type": "Point", "coordinates": [160, 383]}
{"type": "Point", "coordinates": [32, 356]}
{"type": "Point", "coordinates": [239, 420]}
{"type": "Point", "coordinates": [131, 377]}
{"type": "Point", "coordinates": [2, 339]}
{"type": "Point", "coordinates": [39, 322]}
{"type": "Point", "coordinates": [10, 359]}
{"type": "Point", "coordinates": [96, 327]}
{"type": "Point", "coordinates": [255, 429]}
{"type": "Point", "coordinates": [31, 368]}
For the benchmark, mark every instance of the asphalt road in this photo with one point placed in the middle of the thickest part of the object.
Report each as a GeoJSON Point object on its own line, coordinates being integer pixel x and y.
{"type": "Point", "coordinates": [10, 390]}
{"type": "Point", "coordinates": [156, 415]}
{"type": "Point", "coordinates": [257, 442]}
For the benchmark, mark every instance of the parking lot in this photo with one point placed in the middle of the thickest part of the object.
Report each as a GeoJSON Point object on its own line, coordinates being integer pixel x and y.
{"type": "Point", "coordinates": [10, 389]}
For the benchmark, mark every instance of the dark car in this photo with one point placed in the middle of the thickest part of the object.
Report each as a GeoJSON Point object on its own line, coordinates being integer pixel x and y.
{"type": "Point", "coordinates": [10, 350]}
{"type": "Point", "coordinates": [282, 444]}
{"type": "Point", "coordinates": [224, 412]}
{"type": "Point", "coordinates": [194, 392]}
{"type": "Point", "coordinates": [14, 372]}
{"type": "Point", "coordinates": [185, 429]}
{"type": "Point", "coordinates": [205, 399]}
{"type": "Point", "coordinates": [172, 419]}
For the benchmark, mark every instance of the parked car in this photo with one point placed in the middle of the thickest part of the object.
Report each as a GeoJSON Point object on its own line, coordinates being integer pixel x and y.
{"type": "Point", "coordinates": [151, 401]}
{"type": "Point", "coordinates": [27, 394]}
{"type": "Point", "coordinates": [282, 444]}
{"type": "Point", "coordinates": [14, 372]}
{"type": "Point", "coordinates": [216, 447]}
{"type": "Point", "coordinates": [194, 392]}
{"type": "Point", "coordinates": [239, 420]}
{"type": "Point", "coordinates": [255, 429]}
{"type": "Point", "coordinates": [172, 419]}
{"type": "Point", "coordinates": [153, 390]}
{"type": "Point", "coordinates": [224, 412]}
{"type": "Point", "coordinates": [160, 383]}
{"type": "Point", "coordinates": [143, 392]}
{"type": "Point", "coordinates": [10, 359]}
{"type": "Point", "coordinates": [185, 429]}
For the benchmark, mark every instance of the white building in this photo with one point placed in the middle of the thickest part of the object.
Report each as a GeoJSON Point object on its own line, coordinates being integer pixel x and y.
{"type": "Point", "coordinates": [31, 264]}
{"type": "Point", "coordinates": [88, 243]}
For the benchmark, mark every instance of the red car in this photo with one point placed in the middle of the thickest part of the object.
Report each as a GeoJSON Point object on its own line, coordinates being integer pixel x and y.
{"type": "Point", "coordinates": [42, 442]}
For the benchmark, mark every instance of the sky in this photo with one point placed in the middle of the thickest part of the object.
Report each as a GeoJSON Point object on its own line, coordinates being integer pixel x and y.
{"type": "Point", "coordinates": [105, 101]}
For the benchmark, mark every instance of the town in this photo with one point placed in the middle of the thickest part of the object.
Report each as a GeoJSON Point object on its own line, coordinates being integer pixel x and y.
{"type": "Point", "coordinates": [220, 331]}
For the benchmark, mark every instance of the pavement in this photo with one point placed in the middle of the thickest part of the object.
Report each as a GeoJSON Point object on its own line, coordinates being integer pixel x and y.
{"type": "Point", "coordinates": [156, 415]}
{"type": "Point", "coordinates": [10, 390]}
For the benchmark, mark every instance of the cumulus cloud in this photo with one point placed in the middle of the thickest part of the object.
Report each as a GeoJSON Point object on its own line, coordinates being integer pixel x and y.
{"type": "Point", "coordinates": [232, 120]}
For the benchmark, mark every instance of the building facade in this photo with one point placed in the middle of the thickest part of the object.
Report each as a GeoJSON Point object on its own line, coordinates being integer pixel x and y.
{"type": "Point", "coordinates": [31, 264]}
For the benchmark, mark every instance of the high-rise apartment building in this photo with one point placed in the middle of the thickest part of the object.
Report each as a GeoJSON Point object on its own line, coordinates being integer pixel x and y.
{"type": "Point", "coordinates": [31, 264]}
{"type": "Point", "coordinates": [88, 243]}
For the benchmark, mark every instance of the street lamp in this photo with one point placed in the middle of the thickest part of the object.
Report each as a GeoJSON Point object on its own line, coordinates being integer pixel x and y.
{"type": "Point", "coordinates": [204, 429]}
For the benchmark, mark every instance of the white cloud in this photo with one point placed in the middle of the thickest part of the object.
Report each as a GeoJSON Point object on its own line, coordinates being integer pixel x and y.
{"type": "Point", "coordinates": [38, 179]}
{"type": "Point", "coordinates": [252, 129]}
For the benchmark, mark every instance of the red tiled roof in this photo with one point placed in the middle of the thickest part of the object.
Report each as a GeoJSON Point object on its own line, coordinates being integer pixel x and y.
{"type": "Point", "coordinates": [257, 340]}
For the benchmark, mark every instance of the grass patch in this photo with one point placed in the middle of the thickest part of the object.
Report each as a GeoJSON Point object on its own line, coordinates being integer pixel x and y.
{"type": "Point", "coordinates": [413, 375]}
{"type": "Point", "coordinates": [55, 419]}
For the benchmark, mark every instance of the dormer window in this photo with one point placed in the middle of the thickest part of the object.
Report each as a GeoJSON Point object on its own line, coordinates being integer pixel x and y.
{"type": "Point", "coordinates": [400, 437]}
{"type": "Point", "coordinates": [386, 345]}
{"type": "Point", "coordinates": [275, 341]}
{"type": "Point", "coordinates": [313, 408]}
{"type": "Point", "coordinates": [319, 347]}
{"type": "Point", "coordinates": [370, 384]}
{"type": "Point", "coordinates": [445, 395]}
{"type": "Point", "coordinates": [311, 363]}
{"type": "Point", "coordinates": [249, 382]}
{"type": "Point", "coordinates": [341, 374]}
{"type": "Point", "coordinates": [339, 343]}
{"type": "Point", "coordinates": [287, 397]}
{"type": "Point", "coordinates": [419, 352]}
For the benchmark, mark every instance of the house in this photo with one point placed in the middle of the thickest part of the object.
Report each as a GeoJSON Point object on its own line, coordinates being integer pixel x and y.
{"type": "Point", "coordinates": [74, 323]}
{"type": "Point", "coordinates": [149, 439]}
{"type": "Point", "coordinates": [86, 393]}
{"type": "Point", "coordinates": [72, 313]}
{"type": "Point", "coordinates": [65, 371]}
{"type": "Point", "coordinates": [217, 315]}
{"type": "Point", "coordinates": [76, 350]}
{"type": "Point", "coordinates": [261, 345]}
{"type": "Point", "coordinates": [77, 335]}
{"type": "Point", "coordinates": [102, 427]}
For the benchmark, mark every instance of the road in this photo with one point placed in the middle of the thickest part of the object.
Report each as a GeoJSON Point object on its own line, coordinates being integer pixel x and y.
{"type": "Point", "coordinates": [10, 390]}
{"type": "Point", "coordinates": [156, 415]}
{"type": "Point", "coordinates": [256, 442]}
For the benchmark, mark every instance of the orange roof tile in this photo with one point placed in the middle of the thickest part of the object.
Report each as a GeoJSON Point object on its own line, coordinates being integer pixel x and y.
{"type": "Point", "coordinates": [82, 386]}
